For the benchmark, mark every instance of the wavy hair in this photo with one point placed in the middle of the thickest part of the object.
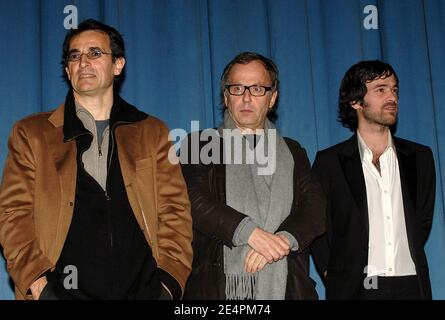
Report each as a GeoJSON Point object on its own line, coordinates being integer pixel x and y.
{"type": "Point", "coordinates": [353, 88]}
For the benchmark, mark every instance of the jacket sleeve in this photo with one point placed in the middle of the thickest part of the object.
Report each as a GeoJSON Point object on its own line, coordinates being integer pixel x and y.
{"type": "Point", "coordinates": [427, 190]}
{"type": "Point", "coordinates": [307, 218]}
{"type": "Point", "coordinates": [320, 248]}
{"type": "Point", "coordinates": [25, 260]}
{"type": "Point", "coordinates": [211, 216]}
{"type": "Point", "coordinates": [174, 219]}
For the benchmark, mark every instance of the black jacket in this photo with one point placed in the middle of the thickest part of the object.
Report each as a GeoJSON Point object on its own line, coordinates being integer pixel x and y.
{"type": "Point", "coordinates": [343, 252]}
{"type": "Point", "coordinates": [214, 224]}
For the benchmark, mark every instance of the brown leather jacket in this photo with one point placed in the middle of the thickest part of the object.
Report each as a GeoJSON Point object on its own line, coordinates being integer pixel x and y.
{"type": "Point", "coordinates": [38, 189]}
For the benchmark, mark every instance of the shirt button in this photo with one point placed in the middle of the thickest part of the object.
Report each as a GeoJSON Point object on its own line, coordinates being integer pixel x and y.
{"type": "Point", "coordinates": [388, 217]}
{"type": "Point", "coordinates": [389, 243]}
{"type": "Point", "coordinates": [389, 269]}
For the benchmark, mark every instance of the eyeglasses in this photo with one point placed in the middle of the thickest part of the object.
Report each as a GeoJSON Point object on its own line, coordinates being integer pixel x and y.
{"type": "Point", "coordinates": [93, 53]}
{"type": "Point", "coordinates": [255, 90]}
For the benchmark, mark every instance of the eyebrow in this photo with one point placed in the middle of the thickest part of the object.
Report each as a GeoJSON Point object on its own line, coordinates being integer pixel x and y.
{"type": "Point", "coordinates": [89, 49]}
{"type": "Point", "coordinates": [380, 85]}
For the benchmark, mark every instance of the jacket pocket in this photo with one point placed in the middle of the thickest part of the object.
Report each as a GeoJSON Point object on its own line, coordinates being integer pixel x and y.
{"type": "Point", "coordinates": [145, 193]}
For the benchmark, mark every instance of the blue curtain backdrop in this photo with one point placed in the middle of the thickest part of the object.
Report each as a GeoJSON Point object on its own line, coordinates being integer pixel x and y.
{"type": "Point", "coordinates": [176, 50]}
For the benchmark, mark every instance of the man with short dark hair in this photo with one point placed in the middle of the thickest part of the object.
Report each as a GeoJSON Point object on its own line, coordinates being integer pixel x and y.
{"type": "Point", "coordinates": [380, 191]}
{"type": "Point", "coordinates": [90, 205]}
{"type": "Point", "coordinates": [255, 212]}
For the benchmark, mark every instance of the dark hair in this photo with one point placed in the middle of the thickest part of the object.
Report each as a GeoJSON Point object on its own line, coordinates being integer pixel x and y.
{"type": "Point", "coordinates": [116, 44]}
{"type": "Point", "coordinates": [353, 88]}
{"type": "Point", "coordinates": [245, 58]}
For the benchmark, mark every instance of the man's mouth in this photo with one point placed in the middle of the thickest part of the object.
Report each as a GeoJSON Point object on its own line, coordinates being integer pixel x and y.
{"type": "Point", "coordinates": [390, 107]}
{"type": "Point", "coordinates": [86, 75]}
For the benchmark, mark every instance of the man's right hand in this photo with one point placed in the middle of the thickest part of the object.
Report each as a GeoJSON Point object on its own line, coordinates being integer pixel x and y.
{"type": "Point", "coordinates": [271, 246]}
{"type": "Point", "coordinates": [37, 287]}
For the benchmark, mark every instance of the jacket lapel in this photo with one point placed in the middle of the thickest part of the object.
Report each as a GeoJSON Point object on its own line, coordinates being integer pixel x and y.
{"type": "Point", "coordinates": [408, 181]}
{"type": "Point", "coordinates": [408, 177]}
{"type": "Point", "coordinates": [353, 172]}
{"type": "Point", "coordinates": [64, 157]}
{"type": "Point", "coordinates": [127, 139]}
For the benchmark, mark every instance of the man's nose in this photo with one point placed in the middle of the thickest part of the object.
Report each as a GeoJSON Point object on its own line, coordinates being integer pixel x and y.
{"type": "Point", "coordinates": [84, 59]}
{"type": "Point", "coordinates": [393, 95]}
{"type": "Point", "coordinates": [247, 96]}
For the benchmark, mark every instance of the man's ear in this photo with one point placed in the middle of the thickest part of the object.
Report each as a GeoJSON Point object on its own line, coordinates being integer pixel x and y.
{"type": "Point", "coordinates": [68, 73]}
{"type": "Point", "coordinates": [273, 99]}
{"type": "Point", "coordinates": [225, 97]}
{"type": "Point", "coordinates": [356, 105]}
{"type": "Point", "coordinates": [119, 64]}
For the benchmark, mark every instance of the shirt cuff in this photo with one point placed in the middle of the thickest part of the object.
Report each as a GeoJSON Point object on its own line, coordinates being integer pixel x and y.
{"type": "Point", "coordinates": [243, 231]}
{"type": "Point", "coordinates": [293, 242]}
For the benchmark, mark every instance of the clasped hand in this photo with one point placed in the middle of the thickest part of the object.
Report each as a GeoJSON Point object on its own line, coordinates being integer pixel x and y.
{"type": "Point", "coordinates": [265, 247]}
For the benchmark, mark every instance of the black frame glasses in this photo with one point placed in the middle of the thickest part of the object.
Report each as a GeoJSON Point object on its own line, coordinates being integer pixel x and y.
{"type": "Point", "coordinates": [254, 90]}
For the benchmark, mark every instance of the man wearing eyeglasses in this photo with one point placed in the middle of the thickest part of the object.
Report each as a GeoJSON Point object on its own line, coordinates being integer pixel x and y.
{"type": "Point", "coordinates": [90, 205]}
{"type": "Point", "coordinates": [251, 229]}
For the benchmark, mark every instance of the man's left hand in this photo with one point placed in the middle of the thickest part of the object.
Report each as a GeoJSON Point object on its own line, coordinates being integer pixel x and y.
{"type": "Point", "coordinates": [254, 261]}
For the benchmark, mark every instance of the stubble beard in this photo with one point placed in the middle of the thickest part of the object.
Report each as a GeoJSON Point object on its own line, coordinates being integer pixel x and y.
{"type": "Point", "coordinates": [380, 118]}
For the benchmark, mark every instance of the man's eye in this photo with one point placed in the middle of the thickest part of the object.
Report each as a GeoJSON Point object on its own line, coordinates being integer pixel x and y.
{"type": "Point", "coordinates": [95, 53]}
{"type": "Point", "coordinates": [74, 56]}
{"type": "Point", "coordinates": [256, 89]}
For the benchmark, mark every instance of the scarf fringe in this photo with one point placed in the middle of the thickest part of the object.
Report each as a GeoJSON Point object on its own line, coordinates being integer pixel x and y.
{"type": "Point", "coordinates": [240, 286]}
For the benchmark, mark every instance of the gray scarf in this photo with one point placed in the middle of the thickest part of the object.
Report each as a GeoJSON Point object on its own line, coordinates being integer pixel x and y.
{"type": "Point", "coordinates": [267, 200]}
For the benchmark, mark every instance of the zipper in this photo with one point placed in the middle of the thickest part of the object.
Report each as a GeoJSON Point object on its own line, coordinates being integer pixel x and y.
{"type": "Point", "coordinates": [107, 195]}
{"type": "Point", "coordinates": [112, 150]}
{"type": "Point", "coordinates": [110, 229]}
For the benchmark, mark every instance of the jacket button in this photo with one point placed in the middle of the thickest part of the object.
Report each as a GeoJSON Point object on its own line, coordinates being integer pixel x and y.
{"type": "Point", "coordinates": [71, 204]}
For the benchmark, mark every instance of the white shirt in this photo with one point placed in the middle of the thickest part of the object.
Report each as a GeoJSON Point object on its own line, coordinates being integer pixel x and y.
{"type": "Point", "coordinates": [388, 251]}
